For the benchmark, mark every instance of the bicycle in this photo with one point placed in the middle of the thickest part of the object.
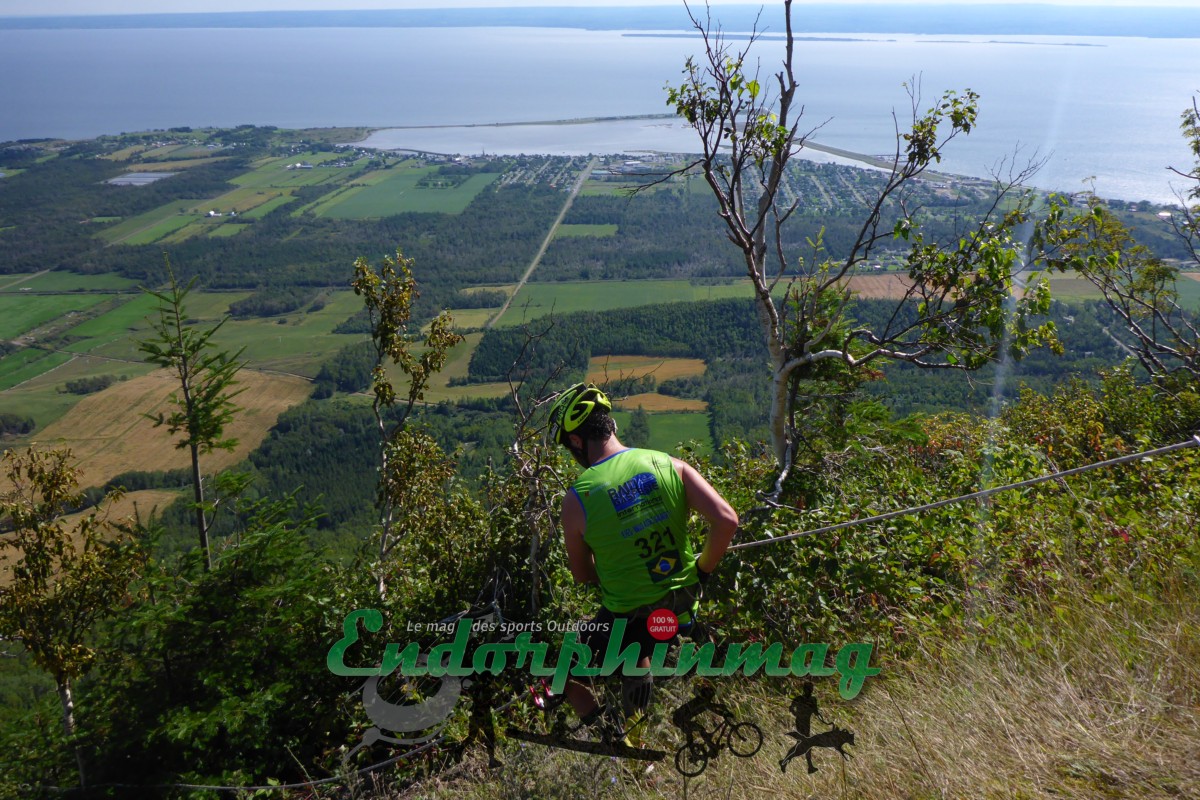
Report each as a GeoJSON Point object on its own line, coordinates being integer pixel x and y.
{"type": "Point", "coordinates": [743, 739]}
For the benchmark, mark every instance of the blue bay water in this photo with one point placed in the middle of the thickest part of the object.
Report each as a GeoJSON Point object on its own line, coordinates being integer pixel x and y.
{"type": "Point", "coordinates": [1104, 107]}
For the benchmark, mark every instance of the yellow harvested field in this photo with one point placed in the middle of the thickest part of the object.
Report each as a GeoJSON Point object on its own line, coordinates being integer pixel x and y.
{"type": "Point", "coordinates": [613, 367]}
{"type": "Point", "coordinates": [880, 287]}
{"type": "Point", "coordinates": [654, 402]}
{"type": "Point", "coordinates": [140, 503]}
{"type": "Point", "coordinates": [109, 434]}
{"type": "Point", "coordinates": [132, 504]}
{"type": "Point", "coordinates": [1193, 275]}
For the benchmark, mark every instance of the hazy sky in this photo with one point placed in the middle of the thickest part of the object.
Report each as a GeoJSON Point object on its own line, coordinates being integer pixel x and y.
{"type": "Point", "coordinates": [39, 7]}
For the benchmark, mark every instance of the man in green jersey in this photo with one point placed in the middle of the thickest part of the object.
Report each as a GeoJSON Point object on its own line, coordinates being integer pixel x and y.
{"type": "Point", "coordinates": [625, 527]}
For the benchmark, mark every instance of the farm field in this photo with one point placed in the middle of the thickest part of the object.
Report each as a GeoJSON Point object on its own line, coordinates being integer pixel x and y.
{"type": "Point", "coordinates": [109, 434]}
{"type": "Point", "coordinates": [139, 503]}
{"type": "Point", "coordinates": [165, 218]}
{"type": "Point", "coordinates": [568, 229]}
{"type": "Point", "coordinates": [886, 287]}
{"type": "Point", "coordinates": [112, 326]}
{"type": "Point", "coordinates": [274, 172]}
{"type": "Point", "coordinates": [257, 192]}
{"type": "Point", "coordinates": [125, 508]}
{"type": "Point", "coordinates": [455, 368]}
{"type": "Point", "coordinates": [295, 343]}
{"type": "Point", "coordinates": [613, 367]}
{"type": "Point", "coordinates": [1189, 291]}
{"type": "Point", "coordinates": [468, 318]}
{"type": "Point", "coordinates": [539, 299]}
{"type": "Point", "coordinates": [14, 280]}
{"type": "Point", "coordinates": [260, 211]}
{"type": "Point", "coordinates": [31, 379]}
{"type": "Point", "coordinates": [173, 166]}
{"type": "Point", "coordinates": [1067, 287]}
{"type": "Point", "coordinates": [59, 281]}
{"type": "Point", "coordinates": [618, 188]}
{"type": "Point", "coordinates": [20, 314]}
{"type": "Point", "coordinates": [655, 403]}
{"type": "Point", "coordinates": [24, 365]}
{"type": "Point", "coordinates": [668, 431]}
{"type": "Point", "coordinates": [43, 396]}
{"type": "Point", "coordinates": [399, 194]}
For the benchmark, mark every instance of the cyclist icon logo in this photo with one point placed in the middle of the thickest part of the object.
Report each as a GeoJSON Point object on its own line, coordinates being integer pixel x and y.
{"type": "Point", "coordinates": [743, 739]}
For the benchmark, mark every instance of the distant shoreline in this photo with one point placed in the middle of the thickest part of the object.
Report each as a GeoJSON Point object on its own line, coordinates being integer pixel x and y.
{"type": "Point", "coordinates": [878, 162]}
{"type": "Point", "coordinates": [852, 18]}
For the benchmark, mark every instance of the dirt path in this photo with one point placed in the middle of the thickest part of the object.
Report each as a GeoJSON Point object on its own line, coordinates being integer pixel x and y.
{"type": "Point", "coordinates": [537, 259]}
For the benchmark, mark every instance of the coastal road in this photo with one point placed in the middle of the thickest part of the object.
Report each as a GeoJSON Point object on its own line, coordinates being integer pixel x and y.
{"type": "Point", "coordinates": [537, 259]}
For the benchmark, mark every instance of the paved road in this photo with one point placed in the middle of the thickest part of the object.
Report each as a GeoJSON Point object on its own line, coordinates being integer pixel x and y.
{"type": "Point", "coordinates": [537, 259]}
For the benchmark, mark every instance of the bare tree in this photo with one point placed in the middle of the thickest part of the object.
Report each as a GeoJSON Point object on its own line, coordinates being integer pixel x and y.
{"type": "Point", "coordinates": [957, 311]}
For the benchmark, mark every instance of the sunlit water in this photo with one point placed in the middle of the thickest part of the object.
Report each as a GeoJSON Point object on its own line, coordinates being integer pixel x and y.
{"type": "Point", "coordinates": [1102, 107]}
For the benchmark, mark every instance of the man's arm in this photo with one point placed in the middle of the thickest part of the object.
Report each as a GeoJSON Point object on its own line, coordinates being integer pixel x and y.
{"type": "Point", "coordinates": [708, 503]}
{"type": "Point", "coordinates": [579, 555]}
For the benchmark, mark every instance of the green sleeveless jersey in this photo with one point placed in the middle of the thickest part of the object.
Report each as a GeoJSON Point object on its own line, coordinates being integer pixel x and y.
{"type": "Point", "coordinates": [636, 514]}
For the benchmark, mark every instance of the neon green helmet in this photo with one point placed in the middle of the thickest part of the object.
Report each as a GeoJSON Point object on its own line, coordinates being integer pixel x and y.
{"type": "Point", "coordinates": [572, 409]}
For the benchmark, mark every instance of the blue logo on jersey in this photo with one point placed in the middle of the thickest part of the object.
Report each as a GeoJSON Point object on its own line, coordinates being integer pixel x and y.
{"type": "Point", "coordinates": [631, 492]}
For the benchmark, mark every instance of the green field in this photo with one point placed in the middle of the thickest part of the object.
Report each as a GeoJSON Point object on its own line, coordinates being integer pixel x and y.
{"type": "Point", "coordinates": [620, 188]}
{"type": "Point", "coordinates": [21, 314]}
{"type": "Point", "coordinates": [465, 318]}
{"type": "Point", "coordinates": [538, 299]}
{"type": "Point", "coordinates": [162, 230]}
{"type": "Point", "coordinates": [668, 431]}
{"type": "Point", "coordinates": [587, 230]}
{"type": "Point", "coordinates": [26, 364]}
{"type": "Point", "coordinates": [44, 406]}
{"type": "Point", "coordinates": [112, 334]}
{"type": "Point", "coordinates": [455, 368]}
{"type": "Point", "coordinates": [273, 172]}
{"type": "Point", "coordinates": [1069, 288]}
{"type": "Point", "coordinates": [61, 281]}
{"type": "Point", "coordinates": [258, 212]}
{"type": "Point", "coordinates": [1189, 292]}
{"type": "Point", "coordinates": [14, 280]}
{"type": "Point", "coordinates": [300, 344]}
{"type": "Point", "coordinates": [122, 319]}
{"type": "Point", "coordinates": [399, 194]}
{"type": "Point", "coordinates": [133, 230]}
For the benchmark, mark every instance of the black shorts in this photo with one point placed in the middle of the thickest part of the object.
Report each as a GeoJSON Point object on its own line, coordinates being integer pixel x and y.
{"type": "Point", "coordinates": [598, 631]}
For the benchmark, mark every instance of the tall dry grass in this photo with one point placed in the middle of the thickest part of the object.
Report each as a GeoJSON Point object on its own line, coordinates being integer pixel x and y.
{"type": "Point", "coordinates": [1085, 697]}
